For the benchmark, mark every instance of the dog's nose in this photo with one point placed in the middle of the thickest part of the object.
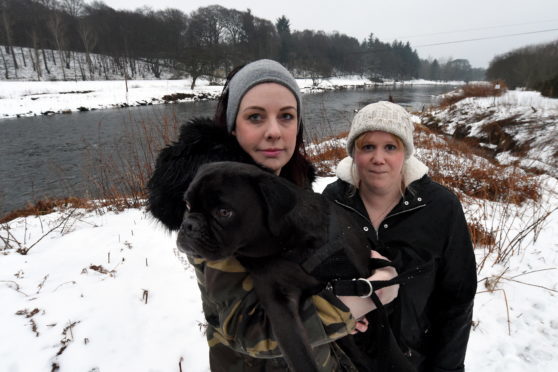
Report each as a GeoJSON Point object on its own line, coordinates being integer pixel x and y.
{"type": "Point", "coordinates": [190, 226]}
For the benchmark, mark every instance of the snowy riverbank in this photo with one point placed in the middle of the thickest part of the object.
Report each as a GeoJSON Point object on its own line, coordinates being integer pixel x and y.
{"type": "Point", "coordinates": [107, 293]}
{"type": "Point", "coordinates": [104, 291]}
{"type": "Point", "coordinates": [29, 98]}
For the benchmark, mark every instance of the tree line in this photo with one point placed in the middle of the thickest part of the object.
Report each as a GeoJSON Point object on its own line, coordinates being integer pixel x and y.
{"type": "Point", "coordinates": [533, 67]}
{"type": "Point", "coordinates": [209, 41]}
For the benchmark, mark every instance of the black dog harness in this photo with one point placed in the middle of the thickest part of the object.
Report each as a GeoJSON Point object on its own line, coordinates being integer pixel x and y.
{"type": "Point", "coordinates": [365, 288]}
{"type": "Point", "coordinates": [321, 262]}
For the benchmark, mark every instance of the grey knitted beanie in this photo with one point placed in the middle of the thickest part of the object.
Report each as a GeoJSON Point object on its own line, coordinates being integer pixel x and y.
{"type": "Point", "coordinates": [386, 117]}
{"type": "Point", "coordinates": [254, 73]}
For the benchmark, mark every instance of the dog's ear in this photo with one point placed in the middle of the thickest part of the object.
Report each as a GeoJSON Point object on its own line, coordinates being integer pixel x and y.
{"type": "Point", "coordinates": [279, 200]}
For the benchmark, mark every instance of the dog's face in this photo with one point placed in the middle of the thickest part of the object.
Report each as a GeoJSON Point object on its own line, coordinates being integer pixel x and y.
{"type": "Point", "coordinates": [233, 209]}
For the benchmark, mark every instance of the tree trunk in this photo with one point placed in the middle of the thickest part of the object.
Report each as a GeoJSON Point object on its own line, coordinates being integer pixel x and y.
{"type": "Point", "coordinates": [16, 67]}
{"type": "Point", "coordinates": [132, 67]}
{"type": "Point", "coordinates": [61, 56]}
{"type": "Point", "coordinates": [194, 78]}
{"type": "Point", "coordinates": [23, 57]}
{"type": "Point", "coordinates": [81, 70]}
{"type": "Point", "coordinates": [156, 68]}
{"type": "Point", "coordinates": [89, 63]}
{"type": "Point", "coordinates": [35, 63]}
{"type": "Point", "coordinates": [105, 67]}
{"type": "Point", "coordinates": [6, 74]}
{"type": "Point", "coordinates": [8, 33]}
{"type": "Point", "coordinates": [38, 61]}
{"type": "Point", "coordinates": [37, 58]}
{"type": "Point", "coordinates": [68, 58]}
{"type": "Point", "coordinates": [45, 62]}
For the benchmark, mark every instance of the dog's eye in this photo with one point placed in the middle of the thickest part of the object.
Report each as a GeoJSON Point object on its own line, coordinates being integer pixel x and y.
{"type": "Point", "coordinates": [225, 213]}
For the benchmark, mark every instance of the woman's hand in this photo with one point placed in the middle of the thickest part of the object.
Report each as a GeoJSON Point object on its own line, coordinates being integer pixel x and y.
{"type": "Point", "coordinates": [387, 294]}
{"type": "Point", "coordinates": [361, 306]}
{"type": "Point", "coordinates": [361, 325]}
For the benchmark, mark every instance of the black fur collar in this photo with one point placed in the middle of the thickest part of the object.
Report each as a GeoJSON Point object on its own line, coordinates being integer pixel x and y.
{"type": "Point", "coordinates": [200, 142]}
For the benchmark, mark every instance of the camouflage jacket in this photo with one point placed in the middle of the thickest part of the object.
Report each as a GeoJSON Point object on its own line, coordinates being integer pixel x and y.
{"type": "Point", "coordinates": [239, 334]}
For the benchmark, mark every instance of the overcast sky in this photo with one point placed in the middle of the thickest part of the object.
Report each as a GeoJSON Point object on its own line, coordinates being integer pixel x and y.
{"type": "Point", "coordinates": [422, 23]}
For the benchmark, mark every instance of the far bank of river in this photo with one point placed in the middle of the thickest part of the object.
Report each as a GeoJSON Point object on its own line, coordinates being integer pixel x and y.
{"type": "Point", "coordinates": [46, 156]}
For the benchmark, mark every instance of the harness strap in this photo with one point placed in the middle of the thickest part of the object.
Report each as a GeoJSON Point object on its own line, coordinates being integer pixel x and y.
{"type": "Point", "coordinates": [334, 244]}
{"type": "Point", "coordinates": [365, 288]}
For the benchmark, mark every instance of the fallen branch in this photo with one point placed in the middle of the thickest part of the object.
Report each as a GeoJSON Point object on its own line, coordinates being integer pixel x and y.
{"type": "Point", "coordinates": [24, 251]}
{"type": "Point", "coordinates": [532, 285]}
{"type": "Point", "coordinates": [16, 286]}
{"type": "Point", "coordinates": [507, 306]}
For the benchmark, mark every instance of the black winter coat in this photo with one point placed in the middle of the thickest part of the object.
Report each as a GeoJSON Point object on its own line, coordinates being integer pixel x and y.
{"type": "Point", "coordinates": [431, 318]}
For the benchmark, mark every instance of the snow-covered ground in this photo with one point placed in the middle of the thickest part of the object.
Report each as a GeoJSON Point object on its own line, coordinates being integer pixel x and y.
{"type": "Point", "coordinates": [107, 292]}
{"type": "Point", "coordinates": [29, 98]}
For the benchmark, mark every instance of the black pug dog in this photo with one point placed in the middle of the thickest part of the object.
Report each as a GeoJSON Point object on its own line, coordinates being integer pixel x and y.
{"type": "Point", "coordinates": [293, 242]}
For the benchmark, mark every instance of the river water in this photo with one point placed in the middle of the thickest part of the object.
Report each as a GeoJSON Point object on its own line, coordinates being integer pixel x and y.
{"type": "Point", "coordinates": [43, 157]}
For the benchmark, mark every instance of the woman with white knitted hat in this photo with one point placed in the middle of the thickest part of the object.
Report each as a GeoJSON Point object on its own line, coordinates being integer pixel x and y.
{"type": "Point", "coordinates": [415, 222]}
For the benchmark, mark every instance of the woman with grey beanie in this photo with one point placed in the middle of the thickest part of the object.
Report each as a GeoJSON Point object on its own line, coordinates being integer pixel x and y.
{"type": "Point", "coordinates": [257, 120]}
{"type": "Point", "coordinates": [414, 222]}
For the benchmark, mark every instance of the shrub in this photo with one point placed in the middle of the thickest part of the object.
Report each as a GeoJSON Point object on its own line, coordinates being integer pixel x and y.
{"type": "Point", "coordinates": [46, 206]}
{"type": "Point", "coordinates": [493, 89]}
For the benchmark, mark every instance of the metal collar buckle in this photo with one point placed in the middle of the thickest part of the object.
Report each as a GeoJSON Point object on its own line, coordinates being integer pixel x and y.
{"type": "Point", "coordinates": [369, 284]}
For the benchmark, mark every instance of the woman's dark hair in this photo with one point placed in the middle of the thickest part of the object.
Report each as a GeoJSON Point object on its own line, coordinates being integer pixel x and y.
{"type": "Point", "coordinates": [298, 169]}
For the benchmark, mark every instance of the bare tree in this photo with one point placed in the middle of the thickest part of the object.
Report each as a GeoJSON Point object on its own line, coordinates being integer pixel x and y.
{"type": "Point", "coordinates": [73, 7]}
{"type": "Point", "coordinates": [57, 29]}
{"type": "Point", "coordinates": [55, 24]}
{"type": "Point", "coordinates": [37, 60]}
{"type": "Point", "coordinates": [6, 71]}
{"type": "Point", "coordinates": [7, 22]}
{"type": "Point", "coordinates": [200, 57]}
{"type": "Point", "coordinates": [89, 39]}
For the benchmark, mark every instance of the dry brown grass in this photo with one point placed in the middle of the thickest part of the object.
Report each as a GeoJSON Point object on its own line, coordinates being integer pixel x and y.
{"type": "Point", "coordinates": [485, 180]}
{"type": "Point", "coordinates": [46, 206]}
{"type": "Point", "coordinates": [120, 177]}
{"type": "Point", "coordinates": [326, 153]}
{"type": "Point", "coordinates": [505, 202]}
{"type": "Point", "coordinates": [475, 90]}
{"type": "Point", "coordinates": [479, 235]}
{"type": "Point", "coordinates": [490, 184]}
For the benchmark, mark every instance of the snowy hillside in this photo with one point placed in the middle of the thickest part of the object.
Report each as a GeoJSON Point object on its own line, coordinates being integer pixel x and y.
{"type": "Point", "coordinates": [519, 126]}
{"type": "Point", "coordinates": [50, 65]}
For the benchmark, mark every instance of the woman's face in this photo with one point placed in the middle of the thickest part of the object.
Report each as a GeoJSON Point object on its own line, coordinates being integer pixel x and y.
{"type": "Point", "coordinates": [379, 159]}
{"type": "Point", "coordinates": [267, 124]}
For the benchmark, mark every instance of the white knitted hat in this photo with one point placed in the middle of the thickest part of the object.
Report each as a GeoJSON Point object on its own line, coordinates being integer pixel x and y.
{"type": "Point", "coordinates": [386, 117]}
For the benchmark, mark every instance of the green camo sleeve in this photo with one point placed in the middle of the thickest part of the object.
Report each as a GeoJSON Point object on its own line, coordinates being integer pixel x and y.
{"type": "Point", "coordinates": [236, 318]}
